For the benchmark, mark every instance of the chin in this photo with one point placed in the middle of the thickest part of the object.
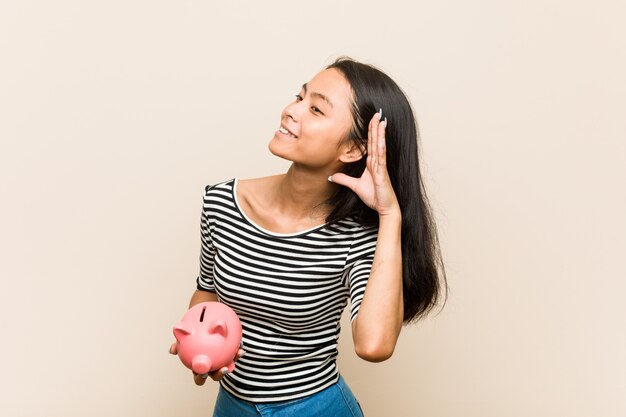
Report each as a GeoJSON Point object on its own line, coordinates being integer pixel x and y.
{"type": "Point", "coordinates": [275, 149]}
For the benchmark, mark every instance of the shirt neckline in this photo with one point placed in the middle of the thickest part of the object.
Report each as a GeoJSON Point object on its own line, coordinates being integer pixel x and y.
{"type": "Point", "coordinates": [262, 229]}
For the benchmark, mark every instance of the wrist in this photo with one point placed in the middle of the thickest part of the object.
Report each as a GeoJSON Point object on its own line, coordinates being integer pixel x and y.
{"type": "Point", "coordinates": [392, 215]}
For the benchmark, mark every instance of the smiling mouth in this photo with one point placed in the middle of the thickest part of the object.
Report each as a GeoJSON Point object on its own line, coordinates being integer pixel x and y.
{"type": "Point", "coordinates": [286, 132]}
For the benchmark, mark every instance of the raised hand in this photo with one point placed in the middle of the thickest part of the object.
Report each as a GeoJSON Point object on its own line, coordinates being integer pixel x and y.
{"type": "Point", "coordinates": [374, 186]}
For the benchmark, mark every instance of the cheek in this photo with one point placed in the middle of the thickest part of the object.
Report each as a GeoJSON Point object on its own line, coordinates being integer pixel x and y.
{"type": "Point", "coordinates": [326, 132]}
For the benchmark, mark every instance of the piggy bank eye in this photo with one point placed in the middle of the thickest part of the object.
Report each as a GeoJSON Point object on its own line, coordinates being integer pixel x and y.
{"type": "Point", "coordinates": [202, 314]}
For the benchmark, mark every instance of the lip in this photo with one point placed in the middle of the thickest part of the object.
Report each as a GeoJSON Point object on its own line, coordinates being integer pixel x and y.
{"type": "Point", "coordinates": [288, 130]}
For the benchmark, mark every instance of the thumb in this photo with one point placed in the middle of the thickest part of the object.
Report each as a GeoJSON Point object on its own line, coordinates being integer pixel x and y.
{"type": "Point", "coordinates": [343, 179]}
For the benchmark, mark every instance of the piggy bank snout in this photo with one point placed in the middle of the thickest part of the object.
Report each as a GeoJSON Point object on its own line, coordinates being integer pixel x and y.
{"type": "Point", "coordinates": [201, 364]}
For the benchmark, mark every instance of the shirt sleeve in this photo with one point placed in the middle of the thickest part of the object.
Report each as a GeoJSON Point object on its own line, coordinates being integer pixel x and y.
{"type": "Point", "coordinates": [205, 280]}
{"type": "Point", "coordinates": [360, 259]}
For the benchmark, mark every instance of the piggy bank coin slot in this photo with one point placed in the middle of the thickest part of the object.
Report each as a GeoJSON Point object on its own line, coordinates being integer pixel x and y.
{"type": "Point", "coordinates": [202, 314]}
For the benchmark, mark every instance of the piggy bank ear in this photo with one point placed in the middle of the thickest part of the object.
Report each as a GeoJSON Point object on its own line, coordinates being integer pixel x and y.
{"type": "Point", "coordinates": [181, 330]}
{"type": "Point", "coordinates": [218, 327]}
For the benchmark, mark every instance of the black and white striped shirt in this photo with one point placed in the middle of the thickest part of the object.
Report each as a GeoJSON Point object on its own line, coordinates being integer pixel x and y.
{"type": "Point", "coordinates": [289, 290]}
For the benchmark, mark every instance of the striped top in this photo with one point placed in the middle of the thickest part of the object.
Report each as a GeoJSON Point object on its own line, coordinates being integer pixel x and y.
{"type": "Point", "coordinates": [289, 291]}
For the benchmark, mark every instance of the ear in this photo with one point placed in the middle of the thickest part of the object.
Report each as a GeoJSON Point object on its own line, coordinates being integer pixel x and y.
{"type": "Point", "coordinates": [218, 327]}
{"type": "Point", "coordinates": [181, 330]}
{"type": "Point", "coordinates": [352, 152]}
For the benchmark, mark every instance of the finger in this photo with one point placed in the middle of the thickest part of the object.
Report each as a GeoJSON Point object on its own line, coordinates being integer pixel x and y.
{"type": "Point", "coordinates": [174, 349]}
{"type": "Point", "coordinates": [373, 136]}
{"type": "Point", "coordinates": [345, 180]}
{"type": "Point", "coordinates": [382, 146]}
{"type": "Point", "coordinates": [373, 140]}
{"type": "Point", "coordinates": [199, 379]}
{"type": "Point", "coordinates": [240, 353]}
{"type": "Point", "coordinates": [368, 161]}
{"type": "Point", "coordinates": [219, 374]}
{"type": "Point", "coordinates": [369, 136]}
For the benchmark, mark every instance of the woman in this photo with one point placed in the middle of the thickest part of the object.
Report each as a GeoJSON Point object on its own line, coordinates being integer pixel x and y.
{"type": "Point", "coordinates": [349, 221]}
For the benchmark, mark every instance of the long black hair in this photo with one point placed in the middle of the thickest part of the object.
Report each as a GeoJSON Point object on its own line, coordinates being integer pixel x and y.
{"type": "Point", "coordinates": [423, 274]}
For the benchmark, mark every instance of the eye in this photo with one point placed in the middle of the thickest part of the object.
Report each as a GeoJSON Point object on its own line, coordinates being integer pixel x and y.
{"type": "Point", "coordinates": [298, 97]}
{"type": "Point", "coordinates": [316, 110]}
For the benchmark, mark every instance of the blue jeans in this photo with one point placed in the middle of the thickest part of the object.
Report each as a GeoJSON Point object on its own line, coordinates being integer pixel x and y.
{"type": "Point", "coordinates": [334, 401]}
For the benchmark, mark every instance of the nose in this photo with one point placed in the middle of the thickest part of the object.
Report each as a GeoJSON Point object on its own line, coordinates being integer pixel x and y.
{"type": "Point", "coordinates": [292, 111]}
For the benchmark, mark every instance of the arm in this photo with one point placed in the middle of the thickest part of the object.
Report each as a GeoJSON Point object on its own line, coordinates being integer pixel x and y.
{"type": "Point", "coordinates": [201, 297]}
{"type": "Point", "coordinates": [376, 328]}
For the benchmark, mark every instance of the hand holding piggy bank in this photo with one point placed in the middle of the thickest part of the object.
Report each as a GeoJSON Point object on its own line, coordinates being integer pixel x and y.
{"type": "Point", "coordinates": [208, 337]}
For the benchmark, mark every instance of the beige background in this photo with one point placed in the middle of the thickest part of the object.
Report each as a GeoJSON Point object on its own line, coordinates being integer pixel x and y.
{"type": "Point", "coordinates": [115, 114]}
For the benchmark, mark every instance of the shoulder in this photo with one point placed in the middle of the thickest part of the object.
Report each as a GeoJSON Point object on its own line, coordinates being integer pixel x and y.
{"type": "Point", "coordinates": [354, 226]}
{"type": "Point", "coordinates": [257, 186]}
{"type": "Point", "coordinates": [353, 230]}
{"type": "Point", "coordinates": [224, 185]}
{"type": "Point", "coordinates": [218, 195]}
{"type": "Point", "coordinates": [363, 241]}
{"type": "Point", "coordinates": [243, 190]}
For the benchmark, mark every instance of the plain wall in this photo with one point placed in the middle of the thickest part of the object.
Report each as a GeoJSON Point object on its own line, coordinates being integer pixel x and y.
{"type": "Point", "coordinates": [114, 115]}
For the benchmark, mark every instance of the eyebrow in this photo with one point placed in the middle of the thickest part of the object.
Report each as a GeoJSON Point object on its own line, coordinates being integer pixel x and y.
{"type": "Point", "coordinates": [319, 95]}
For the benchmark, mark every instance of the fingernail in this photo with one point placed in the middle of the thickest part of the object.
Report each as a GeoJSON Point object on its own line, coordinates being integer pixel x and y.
{"type": "Point", "coordinates": [330, 178]}
{"type": "Point", "coordinates": [380, 114]}
{"type": "Point", "coordinates": [242, 353]}
{"type": "Point", "coordinates": [204, 376]}
{"type": "Point", "coordinates": [385, 122]}
{"type": "Point", "coordinates": [224, 371]}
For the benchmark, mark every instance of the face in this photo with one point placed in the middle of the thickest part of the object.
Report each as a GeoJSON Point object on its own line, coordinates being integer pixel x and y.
{"type": "Point", "coordinates": [314, 126]}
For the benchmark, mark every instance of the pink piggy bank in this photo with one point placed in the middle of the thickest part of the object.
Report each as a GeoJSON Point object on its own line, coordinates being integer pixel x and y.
{"type": "Point", "coordinates": [208, 337]}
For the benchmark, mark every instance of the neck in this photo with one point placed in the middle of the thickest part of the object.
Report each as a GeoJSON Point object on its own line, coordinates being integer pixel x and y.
{"type": "Point", "coordinates": [301, 193]}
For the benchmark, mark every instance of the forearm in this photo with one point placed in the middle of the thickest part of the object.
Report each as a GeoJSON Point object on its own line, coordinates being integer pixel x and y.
{"type": "Point", "coordinates": [201, 297]}
{"type": "Point", "coordinates": [377, 326]}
